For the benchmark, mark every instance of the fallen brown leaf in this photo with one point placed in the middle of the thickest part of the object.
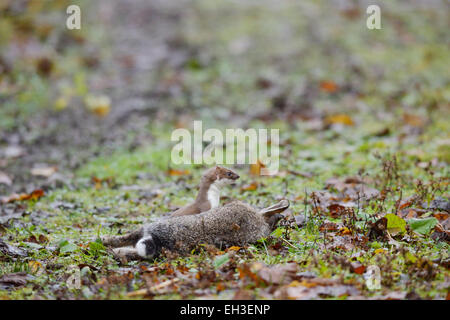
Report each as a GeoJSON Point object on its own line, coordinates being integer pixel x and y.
{"type": "Point", "coordinates": [328, 227]}
{"type": "Point", "coordinates": [378, 228]}
{"type": "Point", "coordinates": [344, 231]}
{"type": "Point", "coordinates": [35, 195]}
{"type": "Point", "coordinates": [245, 271]}
{"type": "Point", "coordinates": [336, 210]}
{"type": "Point", "coordinates": [177, 172]}
{"type": "Point", "coordinates": [278, 274]}
{"type": "Point", "coordinates": [243, 294]}
{"type": "Point", "coordinates": [328, 86]}
{"type": "Point", "coordinates": [154, 288]}
{"type": "Point", "coordinates": [413, 120]}
{"type": "Point", "coordinates": [41, 239]}
{"type": "Point", "coordinates": [315, 289]}
{"type": "Point", "coordinates": [250, 187]}
{"type": "Point", "coordinates": [99, 105]}
{"type": "Point", "coordinates": [255, 168]}
{"type": "Point", "coordinates": [441, 215]}
{"type": "Point", "coordinates": [34, 266]}
{"type": "Point", "coordinates": [220, 287]}
{"type": "Point", "coordinates": [44, 66]}
{"type": "Point", "coordinates": [339, 119]}
{"type": "Point", "coordinates": [357, 267]}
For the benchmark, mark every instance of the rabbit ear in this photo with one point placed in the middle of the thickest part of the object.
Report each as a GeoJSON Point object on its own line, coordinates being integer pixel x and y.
{"type": "Point", "coordinates": [276, 208]}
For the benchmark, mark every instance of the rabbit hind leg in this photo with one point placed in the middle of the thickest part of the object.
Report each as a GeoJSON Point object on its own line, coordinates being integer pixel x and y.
{"type": "Point", "coordinates": [129, 239]}
{"type": "Point", "coordinates": [127, 253]}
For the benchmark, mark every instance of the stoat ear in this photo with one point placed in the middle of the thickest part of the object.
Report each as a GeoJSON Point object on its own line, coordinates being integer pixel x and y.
{"type": "Point", "coordinates": [276, 208]}
{"type": "Point", "coordinates": [218, 171]}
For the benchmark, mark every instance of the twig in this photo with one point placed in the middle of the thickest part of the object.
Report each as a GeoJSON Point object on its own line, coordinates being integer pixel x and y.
{"type": "Point", "coordinates": [306, 207]}
{"type": "Point", "coordinates": [289, 243]}
{"type": "Point", "coordinates": [143, 292]}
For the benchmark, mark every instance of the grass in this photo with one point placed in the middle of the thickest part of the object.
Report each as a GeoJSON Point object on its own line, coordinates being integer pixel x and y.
{"type": "Point", "coordinates": [108, 207]}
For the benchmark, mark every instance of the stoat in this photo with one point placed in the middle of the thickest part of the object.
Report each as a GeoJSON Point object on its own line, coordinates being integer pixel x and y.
{"type": "Point", "coordinates": [209, 194]}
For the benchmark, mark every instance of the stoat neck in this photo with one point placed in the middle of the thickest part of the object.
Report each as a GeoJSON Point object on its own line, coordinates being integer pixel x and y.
{"type": "Point", "coordinates": [208, 192]}
{"type": "Point", "coordinates": [214, 195]}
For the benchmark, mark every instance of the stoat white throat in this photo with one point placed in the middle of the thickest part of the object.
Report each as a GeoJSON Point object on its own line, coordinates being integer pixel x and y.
{"type": "Point", "coordinates": [214, 195]}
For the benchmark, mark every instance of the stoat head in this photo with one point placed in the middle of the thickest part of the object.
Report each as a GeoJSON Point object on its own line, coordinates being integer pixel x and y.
{"type": "Point", "coordinates": [221, 176]}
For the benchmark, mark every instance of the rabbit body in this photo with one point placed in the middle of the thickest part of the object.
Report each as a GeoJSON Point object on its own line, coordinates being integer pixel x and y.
{"type": "Point", "coordinates": [235, 224]}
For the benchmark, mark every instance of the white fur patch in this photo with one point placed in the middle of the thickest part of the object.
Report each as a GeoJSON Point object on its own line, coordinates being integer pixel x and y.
{"type": "Point", "coordinates": [214, 191]}
{"type": "Point", "coordinates": [223, 182]}
{"type": "Point", "coordinates": [214, 195]}
{"type": "Point", "coordinates": [140, 247]}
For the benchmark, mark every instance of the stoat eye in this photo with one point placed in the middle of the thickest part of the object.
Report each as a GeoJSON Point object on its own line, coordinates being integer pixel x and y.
{"type": "Point", "coordinates": [229, 174]}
